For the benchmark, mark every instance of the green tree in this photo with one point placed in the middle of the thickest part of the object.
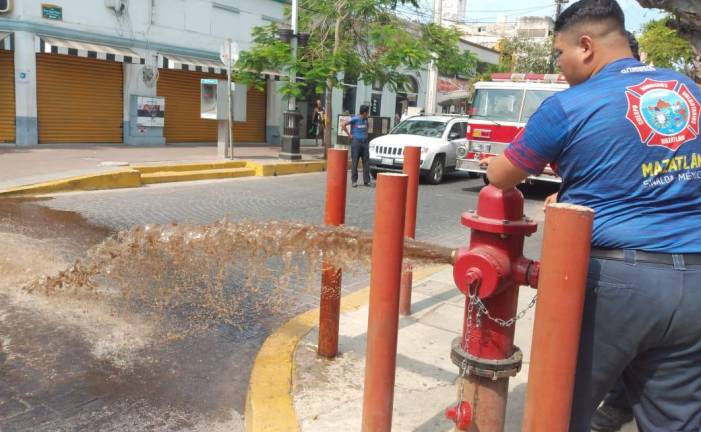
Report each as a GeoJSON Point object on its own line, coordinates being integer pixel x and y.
{"type": "Point", "coordinates": [363, 38]}
{"type": "Point", "coordinates": [524, 56]}
{"type": "Point", "coordinates": [665, 48]}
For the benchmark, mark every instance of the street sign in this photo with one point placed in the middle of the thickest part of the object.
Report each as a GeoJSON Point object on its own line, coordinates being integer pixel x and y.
{"type": "Point", "coordinates": [232, 47]}
{"type": "Point", "coordinates": [52, 12]}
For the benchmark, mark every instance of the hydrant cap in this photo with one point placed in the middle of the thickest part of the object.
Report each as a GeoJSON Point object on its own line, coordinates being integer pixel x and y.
{"type": "Point", "coordinates": [497, 204]}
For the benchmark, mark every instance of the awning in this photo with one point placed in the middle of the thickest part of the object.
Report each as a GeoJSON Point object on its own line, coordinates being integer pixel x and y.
{"type": "Point", "coordinates": [169, 61]}
{"type": "Point", "coordinates": [7, 41]}
{"type": "Point", "coordinates": [460, 95]}
{"type": "Point", "coordinates": [51, 45]}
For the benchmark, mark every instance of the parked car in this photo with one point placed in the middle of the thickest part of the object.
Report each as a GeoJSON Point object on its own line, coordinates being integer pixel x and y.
{"type": "Point", "coordinates": [438, 136]}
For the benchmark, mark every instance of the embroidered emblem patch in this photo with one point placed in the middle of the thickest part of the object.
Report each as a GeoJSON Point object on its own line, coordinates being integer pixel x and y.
{"type": "Point", "coordinates": [664, 113]}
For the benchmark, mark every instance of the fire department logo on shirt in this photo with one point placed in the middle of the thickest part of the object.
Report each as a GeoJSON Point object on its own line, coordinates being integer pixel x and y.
{"type": "Point", "coordinates": [664, 113]}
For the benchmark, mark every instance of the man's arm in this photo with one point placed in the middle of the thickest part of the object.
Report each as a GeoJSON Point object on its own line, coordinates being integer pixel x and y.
{"type": "Point", "coordinates": [344, 126]}
{"type": "Point", "coordinates": [502, 173]}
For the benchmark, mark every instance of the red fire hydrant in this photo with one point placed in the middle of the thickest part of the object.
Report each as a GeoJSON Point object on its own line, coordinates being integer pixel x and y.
{"type": "Point", "coordinates": [489, 273]}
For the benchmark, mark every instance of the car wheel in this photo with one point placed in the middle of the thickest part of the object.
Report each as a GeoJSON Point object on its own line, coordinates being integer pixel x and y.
{"type": "Point", "coordinates": [435, 175]}
{"type": "Point", "coordinates": [373, 173]}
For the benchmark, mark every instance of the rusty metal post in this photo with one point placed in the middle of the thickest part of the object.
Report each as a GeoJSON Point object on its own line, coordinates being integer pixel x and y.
{"type": "Point", "coordinates": [335, 214]}
{"type": "Point", "coordinates": [383, 318]}
{"type": "Point", "coordinates": [558, 317]}
{"type": "Point", "coordinates": [412, 162]}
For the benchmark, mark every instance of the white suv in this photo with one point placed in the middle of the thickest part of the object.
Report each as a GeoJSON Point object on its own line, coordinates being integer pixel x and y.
{"type": "Point", "coordinates": [438, 136]}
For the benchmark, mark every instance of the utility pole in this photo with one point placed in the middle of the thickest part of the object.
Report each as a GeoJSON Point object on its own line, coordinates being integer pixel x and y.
{"type": "Point", "coordinates": [558, 11]}
{"type": "Point", "coordinates": [432, 68]}
{"type": "Point", "coordinates": [290, 135]}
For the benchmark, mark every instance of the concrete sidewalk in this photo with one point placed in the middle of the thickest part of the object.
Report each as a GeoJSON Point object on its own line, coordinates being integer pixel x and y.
{"type": "Point", "coordinates": [328, 394]}
{"type": "Point", "coordinates": [29, 165]}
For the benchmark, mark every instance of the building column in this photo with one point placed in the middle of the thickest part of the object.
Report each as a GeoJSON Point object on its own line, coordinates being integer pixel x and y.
{"type": "Point", "coordinates": [134, 86]}
{"type": "Point", "coordinates": [27, 133]}
{"type": "Point", "coordinates": [273, 118]}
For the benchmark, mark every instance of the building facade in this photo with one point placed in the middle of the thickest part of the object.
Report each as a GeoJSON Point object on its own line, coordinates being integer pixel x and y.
{"type": "Point", "coordinates": [77, 71]}
{"type": "Point", "coordinates": [536, 29]}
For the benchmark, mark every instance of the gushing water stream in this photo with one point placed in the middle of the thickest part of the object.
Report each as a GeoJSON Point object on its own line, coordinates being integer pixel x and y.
{"type": "Point", "coordinates": [186, 278]}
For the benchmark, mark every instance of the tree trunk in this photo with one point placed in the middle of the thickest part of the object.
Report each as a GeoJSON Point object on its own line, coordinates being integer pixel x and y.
{"type": "Point", "coordinates": [329, 83]}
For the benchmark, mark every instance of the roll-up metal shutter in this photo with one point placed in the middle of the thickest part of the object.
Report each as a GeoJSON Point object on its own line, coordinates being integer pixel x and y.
{"type": "Point", "coordinates": [253, 129]}
{"type": "Point", "coordinates": [181, 90]}
{"type": "Point", "coordinates": [7, 96]}
{"type": "Point", "coordinates": [79, 100]}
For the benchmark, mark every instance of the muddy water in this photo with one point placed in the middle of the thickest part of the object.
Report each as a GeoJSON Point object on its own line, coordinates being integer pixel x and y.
{"type": "Point", "coordinates": [180, 276]}
{"type": "Point", "coordinates": [154, 322]}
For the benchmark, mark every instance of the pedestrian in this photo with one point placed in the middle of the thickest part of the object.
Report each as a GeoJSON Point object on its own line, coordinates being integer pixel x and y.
{"type": "Point", "coordinates": [359, 145]}
{"type": "Point", "coordinates": [625, 139]}
{"type": "Point", "coordinates": [317, 122]}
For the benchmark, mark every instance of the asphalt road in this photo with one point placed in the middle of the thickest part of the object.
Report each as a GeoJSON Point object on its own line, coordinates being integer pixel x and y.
{"type": "Point", "coordinates": [54, 374]}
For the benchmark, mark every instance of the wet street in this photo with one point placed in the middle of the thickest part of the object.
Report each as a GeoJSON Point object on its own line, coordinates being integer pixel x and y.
{"type": "Point", "coordinates": [78, 364]}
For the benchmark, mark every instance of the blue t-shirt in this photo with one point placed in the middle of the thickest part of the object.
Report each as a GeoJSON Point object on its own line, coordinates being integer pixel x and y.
{"type": "Point", "coordinates": [626, 143]}
{"type": "Point", "coordinates": [359, 128]}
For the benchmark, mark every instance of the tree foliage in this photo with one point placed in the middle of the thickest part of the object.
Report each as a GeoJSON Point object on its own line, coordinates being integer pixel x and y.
{"type": "Point", "coordinates": [665, 48]}
{"type": "Point", "coordinates": [521, 55]}
{"type": "Point", "coordinates": [360, 38]}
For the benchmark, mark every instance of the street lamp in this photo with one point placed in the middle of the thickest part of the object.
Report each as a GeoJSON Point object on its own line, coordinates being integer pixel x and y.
{"type": "Point", "coordinates": [291, 117]}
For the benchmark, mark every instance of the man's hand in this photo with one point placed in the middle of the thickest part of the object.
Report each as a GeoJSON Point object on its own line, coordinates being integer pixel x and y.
{"type": "Point", "coordinates": [502, 173]}
{"type": "Point", "coordinates": [551, 199]}
{"type": "Point", "coordinates": [484, 163]}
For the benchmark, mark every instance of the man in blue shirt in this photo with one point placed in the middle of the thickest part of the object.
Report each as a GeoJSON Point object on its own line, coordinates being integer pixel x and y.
{"type": "Point", "coordinates": [359, 145]}
{"type": "Point", "coordinates": [625, 139]}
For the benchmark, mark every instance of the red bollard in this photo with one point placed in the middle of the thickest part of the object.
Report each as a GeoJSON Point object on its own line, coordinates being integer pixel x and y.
{"type": "Point", "coordinates": [412, 162]}
{"type": "Point", "coordinates": [335, 214]}
{"type": "Point", "coordinates": [490, 272]}
{"type": "Point", "coordinates": [383, 318]}
{"type": "Point", "coordinates": [558, 317]}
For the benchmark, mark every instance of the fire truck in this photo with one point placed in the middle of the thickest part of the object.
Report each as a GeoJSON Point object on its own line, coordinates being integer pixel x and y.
{"type": "Point", "coordinates": [499, 111]}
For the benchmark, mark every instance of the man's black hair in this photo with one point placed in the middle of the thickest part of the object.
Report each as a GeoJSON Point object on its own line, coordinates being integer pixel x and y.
{"type": "Point", "coordinates": [364, 109]}
{"type": "Point", "coordinates": [591, 11]}
{"type": "Point", "coordinates": [633, 42]}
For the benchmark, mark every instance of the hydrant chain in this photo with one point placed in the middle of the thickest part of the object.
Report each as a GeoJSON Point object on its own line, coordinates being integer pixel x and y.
{"type": "Point", "coordinates": [501, 322]}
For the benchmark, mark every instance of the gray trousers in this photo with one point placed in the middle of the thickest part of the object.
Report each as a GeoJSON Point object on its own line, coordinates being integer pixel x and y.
{"type": "Point", "coordinates": [642, 322]}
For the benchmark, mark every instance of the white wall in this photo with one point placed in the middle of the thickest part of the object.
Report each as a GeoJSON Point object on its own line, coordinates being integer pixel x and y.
{"type": "Point", "coordinates": [194, 24]}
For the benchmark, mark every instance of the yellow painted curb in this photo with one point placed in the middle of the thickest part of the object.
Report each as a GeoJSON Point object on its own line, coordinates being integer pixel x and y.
{"type": "Point", "coordinates": [193, 166]}
{"type": "Point", "coordinates": [285, 168]}
{"type": "Point", "coordinates": [269, 402]}
{"type": "Point", "coordinates": [124, 178]}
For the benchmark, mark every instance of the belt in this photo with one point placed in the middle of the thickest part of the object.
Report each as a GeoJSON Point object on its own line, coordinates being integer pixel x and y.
{"type": "Point", "coordinates": [645, 257]}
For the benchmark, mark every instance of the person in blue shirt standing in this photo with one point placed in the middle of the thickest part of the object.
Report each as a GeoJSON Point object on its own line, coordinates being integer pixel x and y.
{"type": "Point", "coordinates": [626, 141]}
{"type": "Point", "coordinates": [359, 145]}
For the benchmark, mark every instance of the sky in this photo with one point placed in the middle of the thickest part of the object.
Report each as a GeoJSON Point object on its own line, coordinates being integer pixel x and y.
{"type": "Point", "coordinates": [489, 10]}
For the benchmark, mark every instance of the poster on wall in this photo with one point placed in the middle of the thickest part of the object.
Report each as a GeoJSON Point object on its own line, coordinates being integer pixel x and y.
{"type": "Point", "coordinates": [150, 111]}
{"type": "Point", "coordinates": [375, 104]}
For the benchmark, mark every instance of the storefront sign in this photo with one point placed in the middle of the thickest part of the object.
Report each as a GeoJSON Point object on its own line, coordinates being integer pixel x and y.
{"type": "Point", "coordinates": [22, 77]}
{"type": "Point", "coordinates": [52, 12]}
{"type": "Point", "coordinates": [150, 111]}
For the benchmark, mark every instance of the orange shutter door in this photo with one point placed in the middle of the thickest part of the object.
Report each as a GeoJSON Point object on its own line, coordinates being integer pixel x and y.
{"type": "Point", "coordinates": [7, 97]}
{"type": "Point", "coordinates": [79, 100]}
{"type": "Point", "coordinates": [181, 90]}
{"type": "Point", "coordinates": [253, 130]}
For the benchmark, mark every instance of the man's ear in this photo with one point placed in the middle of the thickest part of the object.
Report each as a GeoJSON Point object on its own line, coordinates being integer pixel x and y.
{"type": "Point", "coordinates": [586, 47]}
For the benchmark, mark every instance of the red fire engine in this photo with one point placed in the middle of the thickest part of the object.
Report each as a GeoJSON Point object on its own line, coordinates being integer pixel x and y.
{"type": "Point", "coordinates": [499, 112]}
